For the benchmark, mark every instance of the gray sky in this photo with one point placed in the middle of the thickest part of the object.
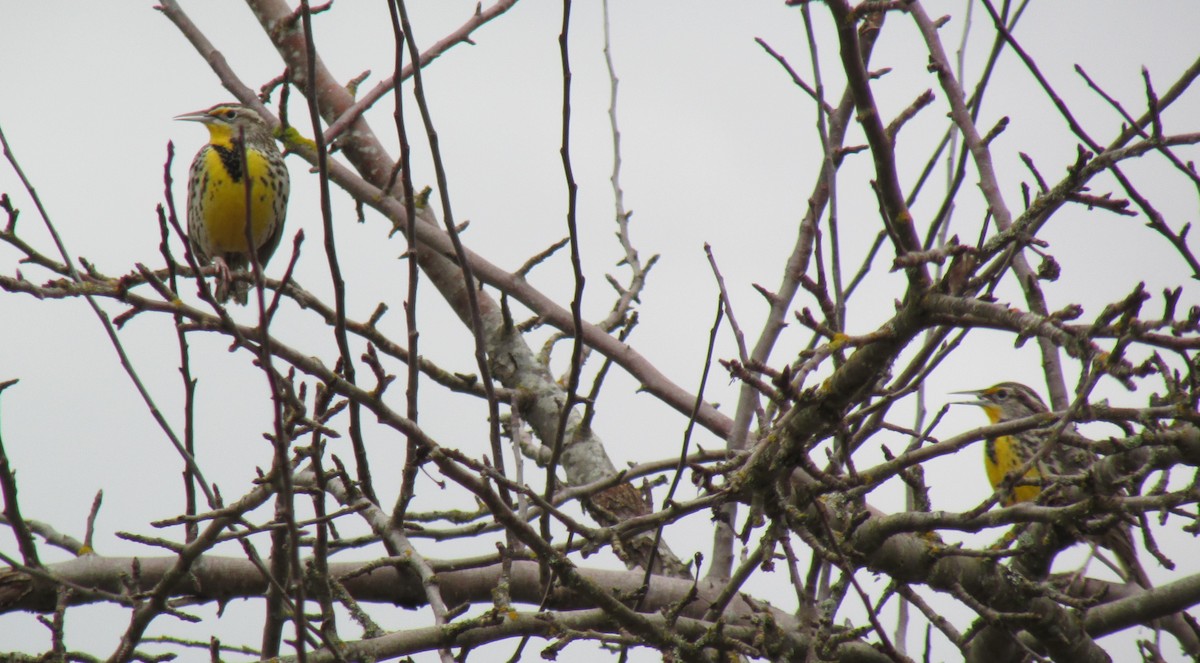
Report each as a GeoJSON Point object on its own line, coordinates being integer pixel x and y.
{"type": "Point", "coordinates": [719, 147]}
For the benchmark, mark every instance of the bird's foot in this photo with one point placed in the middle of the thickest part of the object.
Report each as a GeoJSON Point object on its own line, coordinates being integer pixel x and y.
{"type": "Point", "coordinates": [224, 278]}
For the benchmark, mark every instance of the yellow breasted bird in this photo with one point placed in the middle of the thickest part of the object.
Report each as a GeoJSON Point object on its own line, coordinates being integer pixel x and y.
{"type": "Point", "coordinates": [1006, 454]}
{"type": "Point", "coordinates": [217, 194]}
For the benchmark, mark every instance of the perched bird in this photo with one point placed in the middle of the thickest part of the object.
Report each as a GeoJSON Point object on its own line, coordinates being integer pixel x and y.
{"type": "Point", "coordinates": [1006, 454]}
{"type": "Point", "coordinates": [217, 194]}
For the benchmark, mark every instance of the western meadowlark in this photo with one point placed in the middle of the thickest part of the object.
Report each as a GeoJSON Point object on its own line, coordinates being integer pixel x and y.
{"type": "Point", "coordinates": [1006, 454]}
{"type": "Point", "coordinates": [217, 194]}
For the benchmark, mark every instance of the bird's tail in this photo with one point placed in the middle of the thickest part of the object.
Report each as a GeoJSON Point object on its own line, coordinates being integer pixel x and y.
{"type": "Point", "coordinates": [1119, 539]}
{"type": "Point", "coordinates": [238, 290]}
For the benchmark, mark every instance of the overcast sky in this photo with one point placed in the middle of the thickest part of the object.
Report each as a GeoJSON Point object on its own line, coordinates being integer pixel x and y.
{"type": "Point", "coordinates": [719, 147]}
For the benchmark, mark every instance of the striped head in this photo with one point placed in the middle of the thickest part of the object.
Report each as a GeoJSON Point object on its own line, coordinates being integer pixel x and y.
{"type": "Point", "coordinates": [1007, 401]}
{"type": "Point", "coordinates": [226, 121]}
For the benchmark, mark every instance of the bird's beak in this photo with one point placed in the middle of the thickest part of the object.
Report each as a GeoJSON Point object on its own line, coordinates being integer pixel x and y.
{"type": "Point", "coordinates": [977, 393]}
{"type": "Point", "coordinates": [198, 116]}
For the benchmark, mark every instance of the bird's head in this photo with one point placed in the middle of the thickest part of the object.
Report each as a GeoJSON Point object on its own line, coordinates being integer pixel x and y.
{"type": "Point", "coordinates": [225, 122]}
{"type": "Point", "coordinates": [1006, 401]}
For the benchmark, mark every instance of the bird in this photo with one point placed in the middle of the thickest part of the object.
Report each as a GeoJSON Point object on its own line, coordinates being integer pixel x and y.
{"type": "Point", "coordinates": [1006, 454]}
{"type": "Point", "coordinates": [217, 194]}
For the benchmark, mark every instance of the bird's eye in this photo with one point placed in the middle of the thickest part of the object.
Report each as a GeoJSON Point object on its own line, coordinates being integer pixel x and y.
{"type": "Point", "coordinates": [229, 113]}
{"type": "Point", "coordinates": [1001, 394]}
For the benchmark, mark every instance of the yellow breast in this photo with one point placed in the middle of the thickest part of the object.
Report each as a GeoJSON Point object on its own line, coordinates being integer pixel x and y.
{"type": "Point", "coordinates": [223, 201]}
{"type": "Point", "coordinates": [1001, 459]}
